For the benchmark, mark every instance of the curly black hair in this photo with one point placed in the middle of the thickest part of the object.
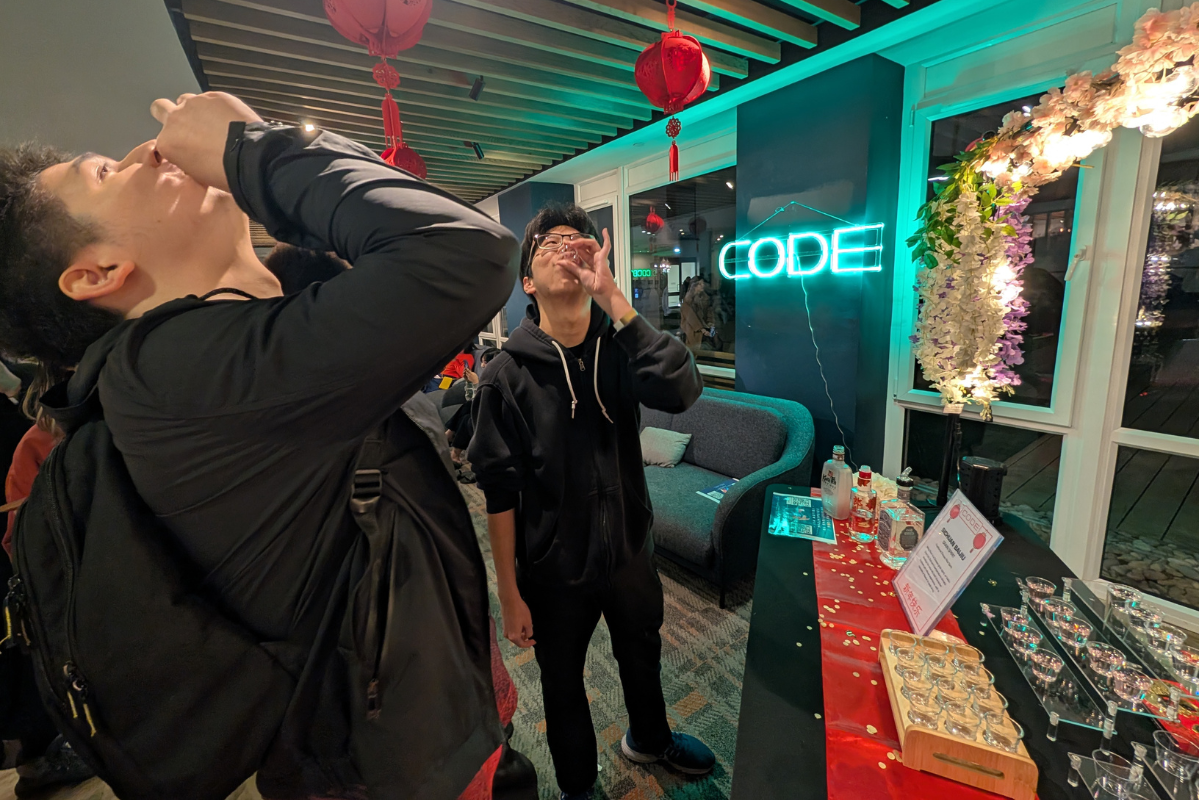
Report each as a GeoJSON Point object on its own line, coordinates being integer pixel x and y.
{"type": "Point", "coordinates": [551, 216]}
{"type": "Point", "coordinates": [38, 240]}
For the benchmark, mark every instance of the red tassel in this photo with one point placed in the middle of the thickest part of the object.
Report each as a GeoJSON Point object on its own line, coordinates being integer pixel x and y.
{"type": "Point", "coordinates": [391, 121]}
{"type": "Point", "coordinates": [673, 166]}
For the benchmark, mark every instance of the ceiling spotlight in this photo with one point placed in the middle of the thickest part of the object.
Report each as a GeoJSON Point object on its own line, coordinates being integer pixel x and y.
{"type": "Point", "coordinates": [668, 205]}
{"type": "Point", "coordinates": [309, 127]}
{"type": "Point", "coordinates": [729, 184]}
{"type": "Point", "coordinates": [476, 88]}
{"type": "Point", "coordinates": [676, 249]}
{"type": "Point", "coordinates": [478, 150]}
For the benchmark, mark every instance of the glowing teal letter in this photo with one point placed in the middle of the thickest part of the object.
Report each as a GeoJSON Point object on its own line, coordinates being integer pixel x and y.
{"type": "Point", "coordinates": [838, 250]}
{"type": "Point", "coordinates": [793, 259]}
{"type": "Point", "coordinates": [779, 248]}
{"type": "Point", "coordinates": [721, 260]}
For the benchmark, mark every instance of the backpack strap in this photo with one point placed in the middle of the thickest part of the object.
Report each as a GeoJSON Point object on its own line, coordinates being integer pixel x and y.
{"type": "Point", "coordinates": [365, 492]}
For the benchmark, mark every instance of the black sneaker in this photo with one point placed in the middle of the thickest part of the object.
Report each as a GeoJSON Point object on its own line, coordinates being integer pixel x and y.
{"type": "Point", "coordinates": [58, 767]}
{"type": "Point", "coordinates": [685, 753]}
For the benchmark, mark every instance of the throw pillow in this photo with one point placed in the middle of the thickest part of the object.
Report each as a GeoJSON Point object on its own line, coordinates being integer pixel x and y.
{"type": "Point", "coordinates": [663, 448]}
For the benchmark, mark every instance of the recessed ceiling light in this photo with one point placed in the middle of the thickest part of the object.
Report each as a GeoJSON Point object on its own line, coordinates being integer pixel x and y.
{"type": "Point", "coordinates": [308, 126]}
{"type": "Point", "coordinates": [729, 184]}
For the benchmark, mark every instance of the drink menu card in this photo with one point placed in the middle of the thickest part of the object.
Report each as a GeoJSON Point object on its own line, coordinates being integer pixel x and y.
{"type": "Point", "coordinates": [954, 548]}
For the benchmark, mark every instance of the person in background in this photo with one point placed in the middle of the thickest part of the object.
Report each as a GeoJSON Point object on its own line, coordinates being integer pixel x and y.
{"type": "Point", "coordinates": [557, 454]}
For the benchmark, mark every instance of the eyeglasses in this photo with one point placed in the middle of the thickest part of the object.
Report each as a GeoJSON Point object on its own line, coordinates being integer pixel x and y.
{"type": "Point", "coordinates": [553, 241]}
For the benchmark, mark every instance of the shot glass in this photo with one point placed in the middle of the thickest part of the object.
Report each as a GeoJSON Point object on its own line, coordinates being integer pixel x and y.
{"type": "Point", "coordinates": [1118, 595]}
{"type": "Point", "coordinates": [1104, 659]}
{"type": "Point", "coordinates": [909, 657]}
{"type": "Point", "coordinates": [1057, 611]}
{"type": "Point", "coordinates": [1026, 642]}
{"type": "Point", "coordinates": [940, 665]}
{"type": "Point", "coordinates": [900, 639]}
{"type": "Point", "coordinates": [1140, 617]}
{"type": "Point", "coordinates": [1046, 666]}
{"type": "Point", "coordinates": [1118, 776]}
{"type": "Point", "coordinates": [1130, 684]}
{"type": "Point", "coordinates": [1163, 637]}
{"type": "Point", "coordinates": [962, 721]}
{"type": "Point", "coordinates": [994, 702]}
{"type": "Point", "coordinates": [979, 682]}
{"type": "Point", "coordinates": [971, 668]}
{"type": "Point", "coordinates": [1176, 758]}
{"type": "Point", "coordinates": [1186, 663]}
{"type": "Point", "coordinates": [1075, 634]}
{"type": "Point", "coordinates": [1039, 589]}
{"type": "Point", "coordinates": [925, 713]}
{"type": "Point", "coordinates": [915, 682]}
{"type": "Point", "coordinates": [966, 654]}
{"type": "Point", "coordinates": [1010, 615]}
{"type": "Point", "coordinates": [1001, 732]}
{"type": "Point", "coordinates": [933, 647]}
{"type": "Point", "coordinates": [951, 691]}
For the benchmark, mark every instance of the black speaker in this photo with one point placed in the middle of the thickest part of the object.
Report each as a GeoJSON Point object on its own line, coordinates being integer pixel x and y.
{"type": "Point", "coordinates": [982, 480]}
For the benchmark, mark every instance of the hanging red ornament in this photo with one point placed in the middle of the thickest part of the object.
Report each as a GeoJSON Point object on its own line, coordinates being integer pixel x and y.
{"type": "Point", "coordinates": [673, 72]}
{"type": "Point", "coordinates": [386, 27]}
{"type": "Point", "coordinates": [653, 223]}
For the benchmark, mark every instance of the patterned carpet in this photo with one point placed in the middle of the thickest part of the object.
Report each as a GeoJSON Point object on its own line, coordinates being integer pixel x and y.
{"type": "Point", "coordinates": [704, 655]}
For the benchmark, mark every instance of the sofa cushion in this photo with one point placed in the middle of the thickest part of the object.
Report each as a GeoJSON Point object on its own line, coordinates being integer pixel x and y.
{"type": "Point", "coordinates": [729, 437]}
{"type": "Point", "coordinates": [683, 520]}
{"type": "Point", "coordinates": [663, 448]}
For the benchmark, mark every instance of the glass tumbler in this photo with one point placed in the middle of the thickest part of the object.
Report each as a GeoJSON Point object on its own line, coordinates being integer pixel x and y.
{"type": "Point", "coordinates": [966, 654]}
{"type": "Point", "coordinates": [1140, 617]}
{"type": "Point", "coordinates": [940, 665]}
{"type": "Point", "coordinates": [1117, 776]}
{"type": "Point", "coordinates": [993, 702]}
{"type": "Point", "coordinates": [978, 682]}
{"type": "Point", "coordinates": [1046, 666]}
{"type": "Point", "coordinates": [1026, 642]}
{"type": "Point", "coordinates": [925, 712]}
{"type": "Point", "coordinates": [1011, 615]}
{"type": "Point", "coordinates": [1001, 732]}
{"type": "Point", "coordinates": [916, 682]}
{"type": "Point", "coordinates": [1118, 595]}
{"type": "Point", "coordinates": [962, 721]}
{"type": "Point", "coordinates": [1164, 637]}
{"type": "Point", "coordinates": [1058, 611]}
{"type": "Point", "coordinates": [951, 691]}
{"type": "Point", "coordinates": [900, 639]}
{"type": "Point", "coordinates": [1039, 589]}
{"type": "Point", "coordinates": [1104, 659]}
{"type": "Point", "coordinates": [1175, 757]}
{"type": "Point", "coordinates": [1130, 684]}
{"type": "Point", "coordinates": [1075, 634]}
{"type": "Point", "coordinates": [909, 657]}
{"type": "Point", "coordinates": [1186, 663]}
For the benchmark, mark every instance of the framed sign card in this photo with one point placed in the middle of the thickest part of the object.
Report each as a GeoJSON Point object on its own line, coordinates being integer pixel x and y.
{"type": "Point", "coordinates": [953, 550]}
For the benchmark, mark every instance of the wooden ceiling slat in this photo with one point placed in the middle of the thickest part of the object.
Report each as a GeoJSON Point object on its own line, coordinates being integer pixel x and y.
{"type": "Point", "coordinates": [471, 170]}
{"type": "Point", "coordinates": [480, 21]}
{"type": "Point", "coordinates": [438, 47]}
{"type": "Point", "coordinates": [842, 13]}
{"type": "Point", "coordinates": [761, 18]}
{"type": "Point", "coordinates": [365, 127]}
{"type": "Point", "coordinates": [536, 133]}
{"type": "Point", "coordinates": [600, 27]}
{"type": "Point", "coordinates": [412, 132]}
{"type": "Point", "coordinates": [715, 34]}
{"type": "Point", "coordinates": [443, 91]}
{"type": "Point", "coordinates": [581, 94]}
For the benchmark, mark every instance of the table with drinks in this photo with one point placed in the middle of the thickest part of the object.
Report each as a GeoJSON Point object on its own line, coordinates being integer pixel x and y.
{"type": "Point", "coordinates": [1081, 685]}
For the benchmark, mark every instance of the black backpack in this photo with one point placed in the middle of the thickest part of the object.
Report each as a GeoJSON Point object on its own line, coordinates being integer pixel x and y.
{"type": "Point", "coordinates": [143, 676]}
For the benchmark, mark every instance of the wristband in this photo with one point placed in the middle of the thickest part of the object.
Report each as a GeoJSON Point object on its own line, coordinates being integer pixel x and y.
{"type": "Point", "coordinates": [625, 319]}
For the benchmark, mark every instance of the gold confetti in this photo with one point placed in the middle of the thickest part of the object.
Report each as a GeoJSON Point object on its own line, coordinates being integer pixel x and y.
{"type": "Point", "coordinates": [809, 627]}
{"type": "Point", "coordinates": [799, 645]}
{"type": "Point", "coordinates": [806, 573]}
{"type": "Point", "coordinates": [866, 638]}
{"type": "Point", "coordinates": [871, 729]}
{"type": "Point", "coordinates": [860, 592]}
{"type": "Point", "coordinates": [818, 716]}
{"type": "Point", "coordinates": [870, 599]}
{"type": "Point", "coordinates": [891, 755]}
{"type": "Point", "coordinates": [882, 765]}
{"type": "Point", "coordinates": [991, 582]}
{"type": "Point", "coordinates": [827, 608]}
{"type": "Point", "coordinates": [852, 580]}
{"type": "Point", "coordinates": [874, 683]}
{"type": "Point", "coordinates": [857, 642]}
{"type": "Point", "coordinates": [873, 650]}
{"type": "Point", "coordinates": [855, 674]}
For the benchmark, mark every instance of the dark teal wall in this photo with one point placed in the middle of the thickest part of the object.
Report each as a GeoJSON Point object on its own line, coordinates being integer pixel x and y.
{"type": "Point", "coordinates": [517, 207]}
{"type": "Point", "coordinates": [831, 142]}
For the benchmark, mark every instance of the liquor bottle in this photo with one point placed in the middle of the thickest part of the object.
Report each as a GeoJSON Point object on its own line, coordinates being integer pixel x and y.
{"type": "Point", "coordinates": [901, 525]}
{"type": "Point", "coordinates": [836, 481]}
{"type": "Point", "coordinates": [862, 508]}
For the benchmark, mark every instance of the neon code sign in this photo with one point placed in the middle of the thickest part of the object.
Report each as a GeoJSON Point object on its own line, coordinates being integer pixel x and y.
{"type": "Point", "coordinates": [857, 248]}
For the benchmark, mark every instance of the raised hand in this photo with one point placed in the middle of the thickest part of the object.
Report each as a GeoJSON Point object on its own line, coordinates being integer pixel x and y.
{"type": "Point", "coordinates": [194, 130]}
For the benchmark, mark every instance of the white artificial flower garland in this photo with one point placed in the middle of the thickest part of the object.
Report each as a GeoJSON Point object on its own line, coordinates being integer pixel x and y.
{"type": "Point", "coordinates": [973, 243]}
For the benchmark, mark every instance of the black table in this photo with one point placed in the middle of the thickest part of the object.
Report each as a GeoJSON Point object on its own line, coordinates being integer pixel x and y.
{"type": "Point", "coordinates": [781, 743]}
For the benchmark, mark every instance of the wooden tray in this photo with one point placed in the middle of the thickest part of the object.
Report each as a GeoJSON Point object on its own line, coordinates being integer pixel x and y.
{"type": "Point", "coordinates": [974, 763]}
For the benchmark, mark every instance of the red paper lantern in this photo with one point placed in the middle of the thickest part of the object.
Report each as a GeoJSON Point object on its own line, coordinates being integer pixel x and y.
{"type": "Point", "coordinates": [673, 72]}
{"type": "Point", "coordinates": [653, 223]}
{"type": "Point", "coordinates": [386, 27]}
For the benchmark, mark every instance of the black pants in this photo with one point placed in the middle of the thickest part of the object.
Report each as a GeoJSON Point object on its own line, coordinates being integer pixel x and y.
{"type": "Point", "coordinates": [563, 623]}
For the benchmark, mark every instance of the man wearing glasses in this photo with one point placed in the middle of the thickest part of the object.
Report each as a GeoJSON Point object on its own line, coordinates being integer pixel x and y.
{"type": "Point", "coordinates": [557, 454]}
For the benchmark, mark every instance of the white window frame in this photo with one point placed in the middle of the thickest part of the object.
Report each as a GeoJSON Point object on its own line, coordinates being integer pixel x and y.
{"type": "Point", "coordinates": [1111, 217]}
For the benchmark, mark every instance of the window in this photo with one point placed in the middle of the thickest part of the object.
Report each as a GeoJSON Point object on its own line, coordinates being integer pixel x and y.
{"type": "Point", "coordinates": [1031, 457]}
{"type": "Point", "coordinates": [1052, 214]}
{"type": "Point", "coordinates": [1160, 394]}
{"type": "Point", "coordinates": [676, 235]}
{"type": "Point", "coordinates": [1152, 523]}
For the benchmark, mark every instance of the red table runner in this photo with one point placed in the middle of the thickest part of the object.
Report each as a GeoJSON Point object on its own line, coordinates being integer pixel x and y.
{"type": "Point", "coordinates": [862, 747]}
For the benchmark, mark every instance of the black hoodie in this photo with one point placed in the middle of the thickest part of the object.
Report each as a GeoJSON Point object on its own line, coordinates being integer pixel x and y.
{"type": "Point", "coordinates": [556, 438]}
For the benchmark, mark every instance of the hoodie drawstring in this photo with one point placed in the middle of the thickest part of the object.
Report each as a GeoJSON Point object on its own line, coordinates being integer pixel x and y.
{"type": "Point", "coordinates": [595, 380]}
{"type": "Point", "coordinates": [596, 383]}
{"type": "Point", "coordinates": [567, 372]}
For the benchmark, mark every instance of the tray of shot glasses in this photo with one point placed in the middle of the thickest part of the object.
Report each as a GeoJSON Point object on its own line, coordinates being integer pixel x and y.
{"type": "Point", "coordinates": [1056, 684]}
{"type": "Point", "coordinates": [1119, 679]}
{"type": "Point", "coordinates": [950, 719]}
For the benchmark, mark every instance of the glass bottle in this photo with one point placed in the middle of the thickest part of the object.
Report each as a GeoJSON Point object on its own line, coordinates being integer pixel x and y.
{"type": "Point", "coordinates": [901, 525]}
{"type": "Point", "coordinates": [836, 481]}
{"type": "Point", "coordinates": [862, 508]}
